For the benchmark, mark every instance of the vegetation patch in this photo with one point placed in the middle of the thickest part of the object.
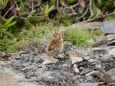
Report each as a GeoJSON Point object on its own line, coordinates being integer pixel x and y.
{"type": "Point", "coordinates": [21, 20]}
{"type": "Point", "coordinates": [80, 35]}
{"type": "Point", "coordinates": [15, 43]}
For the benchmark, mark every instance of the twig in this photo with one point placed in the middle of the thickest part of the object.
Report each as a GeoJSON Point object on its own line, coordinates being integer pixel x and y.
{"type": "Point", "coordinates": [97, 17]}
{"type": "Point", "coordinates": [23, 14]}
{"type": "Point", "coordinates": [38, 3]}
{"type": "Point", "coordinates": [58, 9]}
{"type": "Point", "coordinates": [16, 3]}
{"type": "Point", "coordinates": [8, 10]}
{"type": "Point", "coordinates": [73, 13]}
{"type": "Point", "coordinates": [83, 14]}
{"type": "Point", "coordinates": [28, 4]}
{"type": "Point", "coordinates": [74, 5]}
{"type": "Point", "coordinates": [39, 14]}
{"type": "Point", "coordinates": [57, 3]}
{"type": "Point", "coordinates": [85, 11]}
{"type": "Point", "coordinates": [32, 5]}
{"type": "Point", "coordinates": [90, 8]}
{"type": "Point", "coordinates": [71, 8]}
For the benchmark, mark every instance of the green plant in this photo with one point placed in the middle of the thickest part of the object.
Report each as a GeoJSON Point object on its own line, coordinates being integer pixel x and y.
{"type": "Point", "coordinates": [46, 10]}
{"type": "Point", "coordinates": [78, 36]}
{"type": "Point", "coordinates": [5, 43]}
{"type": "Point", "coordinates": [8, 23]}
{"type": "Point", "coordinates": [3, 3]}
{"type": "Point", "coordinates": [4, 25]}
{"type": "Point", "coordinates": [15, 43]}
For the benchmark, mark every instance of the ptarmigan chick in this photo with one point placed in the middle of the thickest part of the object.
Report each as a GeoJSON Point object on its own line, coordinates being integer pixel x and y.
{"type": "Point", "coordinates": [55, 46]}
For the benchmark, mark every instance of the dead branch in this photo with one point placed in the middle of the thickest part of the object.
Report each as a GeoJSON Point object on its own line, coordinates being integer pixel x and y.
{"type": "Point", "coordinates": [28, 4]}
{"type": "Point", "coordinates": [90, 9]}
{"type": "Point", "coordinates": [86, 11]}
{"type": "Point", "coordinates": [37, 3]}
{"type": "Point", "coordinates": [8, 10]}
{"type": "Point", "coordinates": [15, 3]}
{"type": "Point", "coordinates": [97, 17]}
{"type": "Point", "coordinates": [32, 7]}
{"type": "Point", "coordinates": [69, 7]}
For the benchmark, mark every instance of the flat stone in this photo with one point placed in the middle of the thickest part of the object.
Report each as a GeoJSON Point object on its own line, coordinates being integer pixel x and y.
{"type": "Point", "coordinates": [87, 84]}
{"type": "Point", "coordinates": [27, 84]}
{"type": "Point", "coordinates": [74, 56]}
{"type": "Point", "coordinates": [108, 26]}
{"type": "Point", "coordinates": [7, 76]}
{"type": "Point", "coordinates": [48, 59]}
{"type": "Point", "coordinates": [111, 52]}
{"type": "Point", "coordinates": [49, 76]}
{"type": "Point", "coordinates": [111, 37]}
{"type": "Point", "coordinates": [10, 78]}
{"type": "Point", "coordinates": [111, 72]}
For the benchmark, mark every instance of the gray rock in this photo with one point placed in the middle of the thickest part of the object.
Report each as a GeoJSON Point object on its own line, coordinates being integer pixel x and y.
{"type": "Point", "coordinates": [112, 52]}
{"type": "Point", "coordinates": [48, 76]}
{"type": "Point", "coordinates": [40, 55]}
{"type": "Point", "coordinates": [112, 43]}
{"type": "Point", "coordinates": [38, 72]}
{"type": "Point", "coordinates": [49, 79]}
{"type": "Point", "coordinates": [87, 84]}
{"type": "Point", "coordinates": [52, 73]}
{"type": "Point", "coordinates": [31, 57]}
{"type": "Point", "coordinates": [111, 72]}
{"type": "Point", "coordinates": [27, 84]}
{"type": "Point", "coordinates": [18, 57]}
{"type": "Point", "coordinates": [24, 60]}
{"type": "Point", "coordinates": [87, 57]}
{"type": "Point", "coordinates": [10, 78]}
{"type": "Point", "coordinates": [61, 56]}
{"type": "Point", "coordinates": [98, 66]}
{"type": "Point", "coordinates": [108, 26]}
{"type": "Point", "coordinates": [85, 71]}
{"type": "Point", "coordinates": [90, 79]}
{"type": "Point", "coordinates": [25, 64]}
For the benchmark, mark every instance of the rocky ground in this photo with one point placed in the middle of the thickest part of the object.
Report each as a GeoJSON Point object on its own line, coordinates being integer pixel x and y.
{"type": "Point", "coordinates": [75, 66]}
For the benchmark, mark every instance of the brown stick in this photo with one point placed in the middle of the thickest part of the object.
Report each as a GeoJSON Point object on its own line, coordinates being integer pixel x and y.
{"type": "Point", "coordinates": [8, 10]}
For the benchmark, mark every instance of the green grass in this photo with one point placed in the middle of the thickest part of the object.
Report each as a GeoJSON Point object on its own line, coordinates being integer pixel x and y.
{"type": "Point", "coordinates": [80, 35]}
{"type": "Point", "coordinates": [15, 43]}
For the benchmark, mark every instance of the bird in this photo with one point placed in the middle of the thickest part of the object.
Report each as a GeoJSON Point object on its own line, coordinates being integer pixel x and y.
{"type": "Point", "coordinates": [55, 46]}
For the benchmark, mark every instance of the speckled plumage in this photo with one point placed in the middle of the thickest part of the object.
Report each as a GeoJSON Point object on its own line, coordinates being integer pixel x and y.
{"type": "Point", "coordinates": [55, 46]}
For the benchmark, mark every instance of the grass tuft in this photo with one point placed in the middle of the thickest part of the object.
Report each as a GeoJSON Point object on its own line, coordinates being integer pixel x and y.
{"type": "Point", "coordinates": [79, 36]}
